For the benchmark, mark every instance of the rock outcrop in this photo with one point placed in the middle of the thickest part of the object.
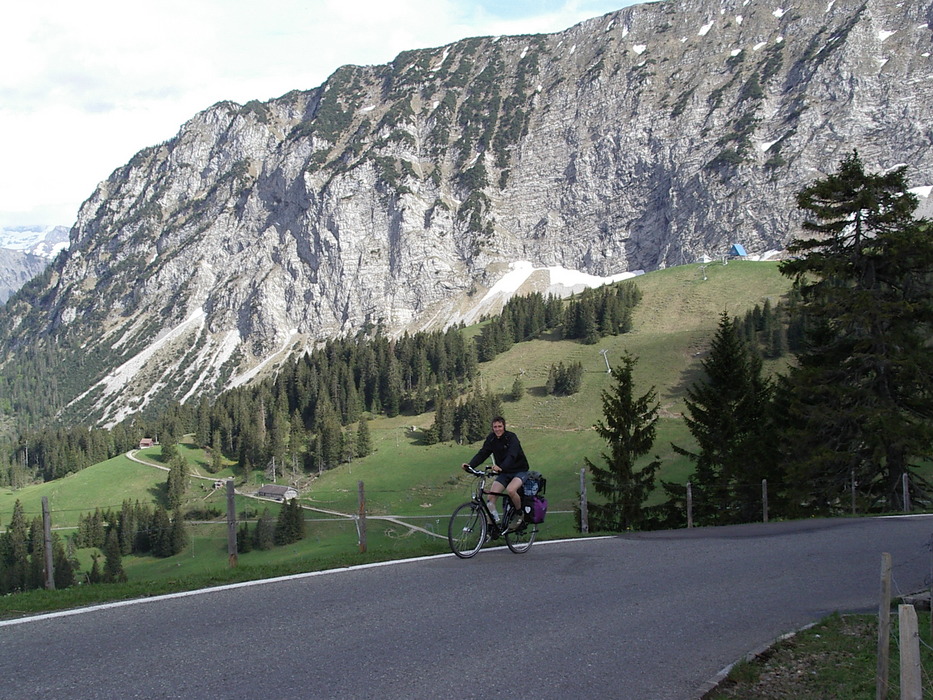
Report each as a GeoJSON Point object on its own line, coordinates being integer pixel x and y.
{"type": "Point", "coordinates": [396, 195]}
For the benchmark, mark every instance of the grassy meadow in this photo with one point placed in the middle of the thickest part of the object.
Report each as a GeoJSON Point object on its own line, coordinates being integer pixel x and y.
{"type": "Point", "coordinates": [419, 484]}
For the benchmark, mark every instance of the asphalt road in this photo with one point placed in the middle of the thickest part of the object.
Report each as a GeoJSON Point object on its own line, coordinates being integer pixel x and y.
{"type": "Point", "coordinates": [651, 615]}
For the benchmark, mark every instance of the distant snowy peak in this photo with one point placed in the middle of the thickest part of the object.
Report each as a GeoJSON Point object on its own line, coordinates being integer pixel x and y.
{"type": "Point", "coordinates": [44, 241]}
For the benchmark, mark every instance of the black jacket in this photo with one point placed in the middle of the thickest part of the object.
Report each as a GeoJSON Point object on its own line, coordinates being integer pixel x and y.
{"type": "Point", "coordinates": [507, 453]}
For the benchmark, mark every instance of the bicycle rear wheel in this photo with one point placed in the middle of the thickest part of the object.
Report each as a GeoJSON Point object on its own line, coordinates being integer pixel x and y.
{"type": "Point", "coordinates": [466, 532]}
{"type": "Point", "coordinates": [520, 540]}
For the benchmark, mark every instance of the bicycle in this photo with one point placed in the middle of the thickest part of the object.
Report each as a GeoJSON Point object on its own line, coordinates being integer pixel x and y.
{"type": "Point", "coordinates": [472, 524]}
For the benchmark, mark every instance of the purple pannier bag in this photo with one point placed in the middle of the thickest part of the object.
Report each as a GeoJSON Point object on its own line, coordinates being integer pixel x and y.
{"type": "Point", "coordinates": [538, 509]}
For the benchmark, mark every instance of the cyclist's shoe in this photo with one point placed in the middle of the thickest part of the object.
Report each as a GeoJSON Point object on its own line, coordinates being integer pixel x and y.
{"type": "Point", "coordinates": [515, 522]}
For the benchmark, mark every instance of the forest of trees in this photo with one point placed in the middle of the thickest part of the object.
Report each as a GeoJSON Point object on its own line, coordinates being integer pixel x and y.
{"type": "Point", "coordinates": [853, 413]}
{"type": "Point", "coordinates": [311, 416]}
{"type": "Point", "coordinates": [138, 528]}
{"type": "Point", "coordinates": [22, 556]}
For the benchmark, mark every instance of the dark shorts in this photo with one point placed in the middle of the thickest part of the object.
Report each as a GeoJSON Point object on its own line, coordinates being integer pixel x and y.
{"type": "Point", "coordinates": [506, 479]}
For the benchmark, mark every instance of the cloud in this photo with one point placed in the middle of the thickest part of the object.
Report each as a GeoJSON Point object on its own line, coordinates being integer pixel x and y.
{"type": "Point", "coordinates": [88, 84]}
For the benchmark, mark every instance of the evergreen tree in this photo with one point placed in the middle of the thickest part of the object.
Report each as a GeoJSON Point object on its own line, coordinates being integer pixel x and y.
{"type": "Point", "coordinates": [290, 525]}
{"type": "Point", "coordinates": [860, 398]}
{"type": "Point", "coordinates": [36, 545]}
{"type": "Point", "coordinates": [160, 533]}
{"type": "Point", "coordinates": [629, 429]}
{"type": "Point", "coordinates": [330, 438]}
{"type": "Point", "coordinates": [169, 452]}
{"type": "Point", "coordinates": [518, 390]}
{"type": "Point", "coordinates": [217, 459]}
{"type": "Point", "coordinates": [15, 570]}
{"type": "Point", "coordinates": [278, 436]}
{"type": "Point", "coordinates": [244, 541]}
{"type": "Point", "coordinates": [113, 559]}
{"type": "Point", "coordinates": [94, 575]}
{"type": "Point", "coordinates": [126, 526]}
{"type": "Point", "coordinates": [264, 532]}
{"type": "Point", "coordinates": [364, 444]}
{"type": "Point", "coordinates": [564, 380]}
{"type": "Point", "coordinates": [177, 481]}
{"type": "Point", "coordinates": [63, 565]}
{"type": "Point", "coordinates": [179, 533]}
{"type": "Point", "coordinates": [728, 417]}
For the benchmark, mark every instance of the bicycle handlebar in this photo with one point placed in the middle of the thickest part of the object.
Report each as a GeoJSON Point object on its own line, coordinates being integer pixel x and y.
{"type": "Point", "coordinates": [476, 472]}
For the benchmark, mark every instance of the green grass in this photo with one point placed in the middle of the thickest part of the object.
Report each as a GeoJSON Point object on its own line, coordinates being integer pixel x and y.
{"type": "Point", "coordinates": [672, 327]}
{"type": "Point", "coordinates": [423, 484]}
{"type": "Point", "coordinates": [834, 659]}
{"type": "Point", "coordinates": [103, 485]}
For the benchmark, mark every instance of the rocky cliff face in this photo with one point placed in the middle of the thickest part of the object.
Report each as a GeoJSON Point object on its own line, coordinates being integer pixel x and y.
{"type": "Point", "coordinates": [397, 195]}
{"type": "Point", "coordinates": [17, 268]}
{"type": "Point", "coordinates": [25, 251]}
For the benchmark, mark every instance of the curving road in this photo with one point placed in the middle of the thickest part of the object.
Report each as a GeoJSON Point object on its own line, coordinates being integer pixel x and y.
{"type": "Point", "coordinates": [644, 616]}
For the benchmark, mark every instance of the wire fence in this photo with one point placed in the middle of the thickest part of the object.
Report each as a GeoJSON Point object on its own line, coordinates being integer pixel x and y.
{"type": "Point", "coordinates": [915, 678]}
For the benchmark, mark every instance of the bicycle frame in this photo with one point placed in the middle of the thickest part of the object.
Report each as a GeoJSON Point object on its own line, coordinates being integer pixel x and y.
{"type": "Point", "coordinates": [480, 493]}
{"type": "Point", "coordinates": [467, 536]}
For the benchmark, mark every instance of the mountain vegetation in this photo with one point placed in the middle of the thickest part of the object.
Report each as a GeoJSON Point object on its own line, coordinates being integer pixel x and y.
{"type": "Point", "coordinates": [744, 423]}
{"type": "Point", "coordinates": [398, 196]}
{"type": "Point", "coordinates": [858, 405]}
{"type": "Point", "coordinates": [629, 428]}
{"type": "Point", "coordinates": [853, 415]}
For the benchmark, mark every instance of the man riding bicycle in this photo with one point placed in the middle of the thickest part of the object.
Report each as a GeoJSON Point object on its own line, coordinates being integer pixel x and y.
{"type": "Point", "coordinates": [509, 462]}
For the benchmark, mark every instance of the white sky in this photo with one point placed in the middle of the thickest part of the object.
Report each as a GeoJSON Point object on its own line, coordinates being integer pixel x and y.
{"type": "Point", "coordinates": [85, 85]}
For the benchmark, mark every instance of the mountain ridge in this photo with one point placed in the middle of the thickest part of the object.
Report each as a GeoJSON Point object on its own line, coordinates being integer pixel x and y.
{"type": "Point", "coordinates": [393, 196]}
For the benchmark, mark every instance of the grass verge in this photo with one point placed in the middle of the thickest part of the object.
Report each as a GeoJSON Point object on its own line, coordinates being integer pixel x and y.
{"type": "Point", "coordinates": [836, 658]}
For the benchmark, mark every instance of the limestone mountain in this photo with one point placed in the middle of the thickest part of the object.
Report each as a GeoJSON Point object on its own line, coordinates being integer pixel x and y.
{"type": "Point", "coordinates": [398, 195]}
{"type": "Point", "coordinates": [24, 253]}
{"type": "Point", "coordinates": [16, 268]}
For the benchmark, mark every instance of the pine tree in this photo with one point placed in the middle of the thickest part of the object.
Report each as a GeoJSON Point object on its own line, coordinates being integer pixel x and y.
{"type": "Point", "coordinates": [160, 533]}
{"type": "Point", "coordinates": [15, 570]}
{"type": "Point", "coordinates": [728, 417]}
{"type": "Point", "coordinates": [113, 560]}
{"type": "Point", "coordinates": [127, 527]}
{"type": "Point", "coordinates": [62, 564]}
{"type": "Point", "coordinates": [36, 577]}
{"type": "Point", "coordinates": [94, 575]}
{"type": "Point", "coordinates": [629, 429]}
{"type": "Point", "coordinates": [364, 444]}
{"type": "Point", "coordinates": [264, 533]}
{"type": "Point", "coordinates": [179, 533]}
{"type": "Point", "coordinates": [290, 525]}
{"type": "Point", "coordinates": [169, 452]}
{"type": "Point", "coordinates": [518, 390]}
{"type": "Point", "coordinates": [177, 481]}
{"type": "Point", "coordinates": [860, 398]}
{"type": "Point", "coordinates": [244, 541]}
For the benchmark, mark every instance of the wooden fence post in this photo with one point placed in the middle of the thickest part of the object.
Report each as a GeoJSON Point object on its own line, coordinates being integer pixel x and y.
{"type": "Point", "coordinates": [884, 628]}
{"type": "Point", "coordinates": [689, 504]}
{"type": "Point", "coordinates": [47, 538]}
{"type": "Point", "coordinates": [764, 499]}
{"type": "Point", "coordinates": [910, 653]}
{"type": "Point", "coordinates": [905, 485]}
{"type": "Point", "coordinates": [361, 519]}
{"type": "Point", "coordinates": [584, 514]}
{"type": "Point", "coordinates": [232, 559]}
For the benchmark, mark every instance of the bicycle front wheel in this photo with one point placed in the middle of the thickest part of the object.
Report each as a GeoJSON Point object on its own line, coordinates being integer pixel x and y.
{"type": "Point", "coordinates": [466, 532]}
{"type": "Point", "coordinates": [520, 540]}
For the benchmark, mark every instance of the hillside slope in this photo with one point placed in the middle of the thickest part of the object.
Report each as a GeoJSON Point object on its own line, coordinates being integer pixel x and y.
{"type": "Point", "coordinates": [672, 327]}
{"type": "Point", "coordinates": [396, 195]}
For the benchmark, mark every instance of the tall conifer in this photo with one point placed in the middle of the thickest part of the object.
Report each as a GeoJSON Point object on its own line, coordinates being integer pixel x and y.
{"type": "Point", "coordinates": [629, 428]}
